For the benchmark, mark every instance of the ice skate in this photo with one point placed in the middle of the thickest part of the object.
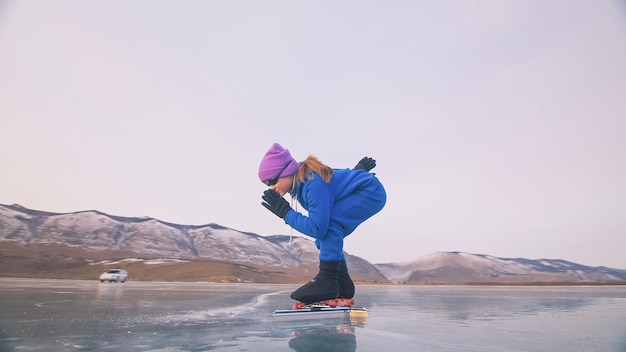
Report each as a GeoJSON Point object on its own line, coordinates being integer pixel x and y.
{"type": "Point", "coordinates": [321, 288]}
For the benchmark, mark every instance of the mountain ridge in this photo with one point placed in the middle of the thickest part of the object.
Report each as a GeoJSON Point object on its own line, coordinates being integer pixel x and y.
{"type": "Point", "coordinates": [461, 267]}
{"type": "Point", "coordinates": [92, 235]}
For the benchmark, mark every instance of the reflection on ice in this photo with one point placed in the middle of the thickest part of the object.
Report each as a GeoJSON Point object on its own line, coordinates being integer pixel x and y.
{"type": "Point", "coordinates": [496, 306]}
{"type": "Point", "coordinates": [54, 315]}
{"type": "Point", "coordinates": [341, 338]}
{"type": "Point", "coordinates": [457, 303]}
{"type": "Point", "coordinates": [110, 293]}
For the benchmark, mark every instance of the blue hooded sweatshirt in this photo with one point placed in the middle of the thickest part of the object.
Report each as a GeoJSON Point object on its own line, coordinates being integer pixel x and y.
{"type": "Point", "coordinates": [335, 209]}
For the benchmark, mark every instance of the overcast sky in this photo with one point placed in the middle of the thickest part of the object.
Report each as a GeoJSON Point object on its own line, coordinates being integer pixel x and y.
{"type": "Point", "coordinates": [499, 127]}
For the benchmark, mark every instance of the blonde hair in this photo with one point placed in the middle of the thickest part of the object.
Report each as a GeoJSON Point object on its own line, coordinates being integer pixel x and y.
{"type": "Point", "coordinates": [313, 165]}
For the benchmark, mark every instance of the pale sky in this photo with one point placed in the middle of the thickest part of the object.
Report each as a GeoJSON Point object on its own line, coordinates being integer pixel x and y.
{"type": "Point", "coordinates": [499, 127]}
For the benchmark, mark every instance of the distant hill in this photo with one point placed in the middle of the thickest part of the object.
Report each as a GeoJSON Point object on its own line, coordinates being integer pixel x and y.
{"type": "Point", "coordinates": [96, 236]}
{"type": "Point", "coordinates": [456, 267]}
{"type": "Point", "coordinates": [80, 245]}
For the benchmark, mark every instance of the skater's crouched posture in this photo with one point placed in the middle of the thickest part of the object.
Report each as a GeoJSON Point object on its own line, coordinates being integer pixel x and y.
{"type": "Point", "coordinates": [337, 201]}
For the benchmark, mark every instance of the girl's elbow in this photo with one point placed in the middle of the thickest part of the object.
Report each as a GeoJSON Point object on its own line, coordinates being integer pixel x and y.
{"type": "Point", "coordinates": [319, 233]}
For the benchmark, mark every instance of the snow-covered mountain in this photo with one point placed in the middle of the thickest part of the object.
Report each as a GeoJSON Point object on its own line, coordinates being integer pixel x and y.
{"type": "Point", "coordinates": [94, 231]}
{"type": "Point", "coordinates": [457, 267]}
{"type": "Point", "coordinates": [97, 235]}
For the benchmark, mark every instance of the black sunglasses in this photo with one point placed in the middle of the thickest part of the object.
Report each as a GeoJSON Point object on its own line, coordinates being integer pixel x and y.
{"type": "Point", "coordinates": [272, 181]}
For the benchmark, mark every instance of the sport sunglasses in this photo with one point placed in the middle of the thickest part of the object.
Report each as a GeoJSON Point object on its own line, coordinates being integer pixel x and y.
{"type": "Point", "coordinates": [272, 181]}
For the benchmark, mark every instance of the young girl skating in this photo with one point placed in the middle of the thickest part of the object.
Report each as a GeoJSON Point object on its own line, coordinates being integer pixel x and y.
{"type": "Point", "coordinates": [337, 201]}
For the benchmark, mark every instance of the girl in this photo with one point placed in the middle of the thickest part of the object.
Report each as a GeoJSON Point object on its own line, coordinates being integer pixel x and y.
{"type": "Point", "coordinates": [337, 201]}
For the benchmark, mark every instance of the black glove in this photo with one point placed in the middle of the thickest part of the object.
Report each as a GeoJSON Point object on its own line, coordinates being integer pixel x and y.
{"type": "Point", "coordinates": [275, 203]}
{"type": "Point", "coordinates": [366, 164]}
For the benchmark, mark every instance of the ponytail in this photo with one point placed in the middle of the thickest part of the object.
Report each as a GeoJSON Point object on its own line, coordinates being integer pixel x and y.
{"type": "Point", "coordinates": [313, 165]}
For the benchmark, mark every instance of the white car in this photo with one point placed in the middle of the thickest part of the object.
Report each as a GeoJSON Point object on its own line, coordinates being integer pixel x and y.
{"type": "Point", "coordinates": [114, 275]}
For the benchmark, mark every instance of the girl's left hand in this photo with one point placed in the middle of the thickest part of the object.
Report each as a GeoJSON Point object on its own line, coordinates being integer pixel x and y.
{"type": "Point", "coordinates": [366, 164]}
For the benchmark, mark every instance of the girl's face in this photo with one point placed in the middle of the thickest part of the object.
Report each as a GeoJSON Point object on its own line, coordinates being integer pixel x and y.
{"type": "Point", "coordinates": [283, 185]}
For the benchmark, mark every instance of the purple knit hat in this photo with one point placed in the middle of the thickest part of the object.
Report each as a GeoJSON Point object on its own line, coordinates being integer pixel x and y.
{"type": "Point", "coordinates": [275, 160]}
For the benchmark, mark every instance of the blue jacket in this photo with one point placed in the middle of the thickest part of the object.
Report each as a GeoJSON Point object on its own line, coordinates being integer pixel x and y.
{"type": "Point", "coordinates": [341, 205]}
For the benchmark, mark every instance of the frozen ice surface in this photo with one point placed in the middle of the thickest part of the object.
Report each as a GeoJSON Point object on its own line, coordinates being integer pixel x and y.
{"type": "Point", "coordinates": [62, 315]}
